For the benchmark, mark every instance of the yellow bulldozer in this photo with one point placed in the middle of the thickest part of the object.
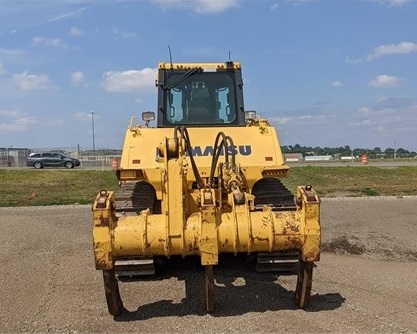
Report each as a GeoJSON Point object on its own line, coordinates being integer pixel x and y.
{"type": "Point", "coordinates": [205, 181]}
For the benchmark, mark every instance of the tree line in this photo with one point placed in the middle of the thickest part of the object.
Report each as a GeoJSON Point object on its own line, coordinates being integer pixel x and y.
{"type": "Point", "coordinates": [346, 151]}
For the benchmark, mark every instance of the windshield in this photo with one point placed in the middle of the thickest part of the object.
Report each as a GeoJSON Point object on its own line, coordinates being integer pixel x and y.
{"type": "Point", "coordinates": [202, 98]}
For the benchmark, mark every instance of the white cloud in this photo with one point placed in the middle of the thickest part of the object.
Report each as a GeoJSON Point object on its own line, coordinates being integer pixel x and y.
{"type": "Point", "coordinates": [83, 116]}
{"type": "Point", "coordinates": [77, 77]}
{"type": "Point", "coordinates": [74, 31]}
{"type": "Point", "coordinates": [364, 110]}
{"type": "Point", "coordinates": [25, 121]}
{"type": "Point", "coordinates": [384, 80]}
{"type": "Point", "coordinates": [337, 83]}
{"type": "Point", "coordinates": [274, 6]}
{"type": "Point", "coordinates": [370, 126]}
{"type": "Point", "coordinates": [11, 127]}
{"type": "Point", "coordinates": [123, 34]}
{"type": "Point", "coordinates": [284, 120]}
{"type": "Point", "coordinates": [200, 6]}
{"type": "Point", "coordinates": [10, 52]}
{"type": "Point", "coordinates": [390, 49]}
{"type": "Point", "coordinates": [384, 102]}
{"type": "Point", "coordinates": [398, 3]}
{"type": "Point", "coordinates": [386, 49]}
{"type": "Point", "coordinates": [353, 61]}
{"type": "Point", "coordinates": [17, 121]}
{"type": "Point", "coordinates": [393, 3]}
{"type": "Point", "coordinates": [2, 69]}
{"type": "Point", "coordinates": [68, 14]}
{"type": "Point", "coordinates": [54, 42]}
{"type": "Point", "coordinates": [387, 115]}
{"type": "Point", "coordinates": [30, 82]}
{"type": "Point", "coordinates": [299, 2]}
{"type": "Point", "coordinates": [18, 125]}
{"type": "Point", "coordinates": [130, 81]}
{"type": "Point", "coordinates": [12, 113]}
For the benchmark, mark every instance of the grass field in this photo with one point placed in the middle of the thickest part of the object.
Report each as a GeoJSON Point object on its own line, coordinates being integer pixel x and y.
{"type": "Point", "coordinates": [355, 181]}
{"type": "Point", "coordinates": [55, 187]}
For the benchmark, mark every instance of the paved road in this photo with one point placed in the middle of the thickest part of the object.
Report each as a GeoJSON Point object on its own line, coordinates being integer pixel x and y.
{"type": "Point", "coordinates": [374, 163]}
{"type": "Point", "coordinates": [365, 282]}
{"type": "Point", "coordinates": [387, 163]}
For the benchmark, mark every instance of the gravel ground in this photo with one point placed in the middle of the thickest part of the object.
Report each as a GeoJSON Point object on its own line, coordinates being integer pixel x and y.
{"type": "Point", "coordinates": [365, 281]}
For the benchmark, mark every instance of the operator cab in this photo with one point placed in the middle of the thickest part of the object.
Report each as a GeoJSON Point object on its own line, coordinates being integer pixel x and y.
{"type": "Point", "coordinates": [198, 95]}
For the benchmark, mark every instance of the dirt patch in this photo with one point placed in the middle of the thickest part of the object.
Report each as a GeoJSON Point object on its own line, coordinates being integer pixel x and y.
{"type": "Point", "coordinates": [378, 247]}
{"type": "Point", "coordinates": [344, 245]}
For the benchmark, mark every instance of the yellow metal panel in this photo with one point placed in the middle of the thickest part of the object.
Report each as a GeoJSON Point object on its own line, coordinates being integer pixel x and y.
{"type": "Point", "coordinates": [254, 148]}
{"type": "Point", "coordinates": [130, 174]}
{"type": "Point", "coordinates": [208, 246]}
{"type": "Point", "coordinates": [102, 224]}
{"type": "Point", "coordinates": [311, 217]}
{"type": "Point", "coordinates": [175, 200]}
{"type": "Point", "coordinates": [192, 234]}
{"type": "Point", "coordinates": [102, 248]}
{"type": "Point", "coordinates": [143, 235]}
{"type": "Point", "coordinates": [251, 151]}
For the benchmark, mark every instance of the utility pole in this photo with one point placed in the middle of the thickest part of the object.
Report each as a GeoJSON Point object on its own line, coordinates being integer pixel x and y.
{"type": "Point", "coordinates": [94, 143]}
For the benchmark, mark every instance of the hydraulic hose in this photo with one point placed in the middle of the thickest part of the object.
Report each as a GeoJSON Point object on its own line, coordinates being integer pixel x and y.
{"type": "Point", "coordinates": [226, 142]}
{"type": "Point", "coordinates": [184, 135]}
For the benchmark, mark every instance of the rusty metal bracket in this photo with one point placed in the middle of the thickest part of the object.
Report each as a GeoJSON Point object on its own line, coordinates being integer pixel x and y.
{"type": "Point", "coordinates": [102, 198]}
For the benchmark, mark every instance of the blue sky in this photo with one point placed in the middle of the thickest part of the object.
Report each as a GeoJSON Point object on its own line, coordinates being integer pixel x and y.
{"type": "Point", "coordinates": [325, 73]}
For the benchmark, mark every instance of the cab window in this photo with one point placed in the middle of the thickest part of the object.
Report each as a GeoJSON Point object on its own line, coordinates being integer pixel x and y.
{"type": "Point", "coordinates": [204, 98]}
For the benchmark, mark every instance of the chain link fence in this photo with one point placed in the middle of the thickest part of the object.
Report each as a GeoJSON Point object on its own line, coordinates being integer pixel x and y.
{"type": "Point", "coordinates": [16, 157]}
{"type": "Point", "coordinates": [13, 157]}
{"type": "Point", "coordinates": [97, 159]}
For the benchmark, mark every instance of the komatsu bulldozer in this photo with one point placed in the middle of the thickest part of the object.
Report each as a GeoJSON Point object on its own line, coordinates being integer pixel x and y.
{"type": "Point", "coordinates": [205, 181]}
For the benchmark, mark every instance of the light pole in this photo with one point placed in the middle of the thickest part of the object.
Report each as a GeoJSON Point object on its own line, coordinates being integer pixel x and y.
{"type": "Point", "coordinates": [94, 143]}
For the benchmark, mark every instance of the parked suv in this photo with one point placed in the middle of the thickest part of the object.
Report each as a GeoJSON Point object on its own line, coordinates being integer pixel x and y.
{"type": "Point", "coordinates": [51, 159]}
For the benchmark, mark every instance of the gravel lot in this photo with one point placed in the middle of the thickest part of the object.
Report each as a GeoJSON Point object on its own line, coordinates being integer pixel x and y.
{"type": "Point", "coordinates": [365, 281]}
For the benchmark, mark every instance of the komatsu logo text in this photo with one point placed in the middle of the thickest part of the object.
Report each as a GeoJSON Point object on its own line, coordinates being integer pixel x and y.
{"type": "Point", "coordinates": [208, 150]}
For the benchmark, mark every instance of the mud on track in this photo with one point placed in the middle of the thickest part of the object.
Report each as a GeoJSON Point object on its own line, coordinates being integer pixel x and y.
{"type": "Point", "coordinates": [365, 281]}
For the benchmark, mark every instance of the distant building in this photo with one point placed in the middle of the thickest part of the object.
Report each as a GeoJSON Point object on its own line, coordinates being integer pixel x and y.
{"type": "Point", "coordinates": [318, 158]}
{"type": "Point", "coordinates": [293, 157]}
{"type": "Point", "coordinates": [13, 156]}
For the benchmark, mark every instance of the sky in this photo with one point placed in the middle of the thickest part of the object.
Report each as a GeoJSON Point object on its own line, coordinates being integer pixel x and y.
{"type": "Point", "coordinates": [324, 73]}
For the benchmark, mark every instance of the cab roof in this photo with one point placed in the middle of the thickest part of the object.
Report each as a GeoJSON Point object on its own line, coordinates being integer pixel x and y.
{"type": "Point", "coordinates": [204, 66]}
